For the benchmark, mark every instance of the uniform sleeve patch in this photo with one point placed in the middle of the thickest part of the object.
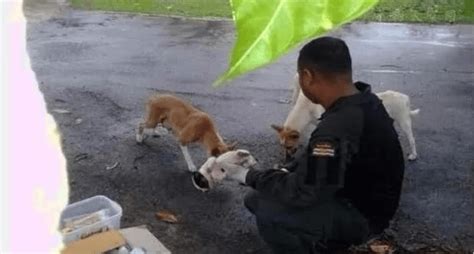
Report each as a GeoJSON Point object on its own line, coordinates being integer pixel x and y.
{"type": "Point", "coordinates": [323, 149]}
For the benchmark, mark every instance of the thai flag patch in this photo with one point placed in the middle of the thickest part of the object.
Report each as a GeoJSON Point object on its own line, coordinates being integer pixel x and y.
{"type": "Point", "coordinates": [323, 149]}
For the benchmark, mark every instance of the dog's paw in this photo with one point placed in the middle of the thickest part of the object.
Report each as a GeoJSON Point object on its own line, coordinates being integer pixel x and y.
{"type": "Point", "coordinates": [412, 157]}
{"type": "Point", "coordinates": [161, 131]}
{"type": "Point", "coordinates": [139, 138]}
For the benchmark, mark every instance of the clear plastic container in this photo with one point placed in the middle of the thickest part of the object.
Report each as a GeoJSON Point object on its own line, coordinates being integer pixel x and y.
{"type": "Point", "coordinates": [89, 216]}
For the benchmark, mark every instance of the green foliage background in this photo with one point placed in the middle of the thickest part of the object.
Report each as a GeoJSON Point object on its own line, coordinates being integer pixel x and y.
{"type": "Point", "coordinates": [430, 11]}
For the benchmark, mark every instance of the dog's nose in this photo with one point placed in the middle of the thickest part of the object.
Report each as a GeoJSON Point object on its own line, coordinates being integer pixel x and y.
{"type": "Point", "coordinates": [200, 182]}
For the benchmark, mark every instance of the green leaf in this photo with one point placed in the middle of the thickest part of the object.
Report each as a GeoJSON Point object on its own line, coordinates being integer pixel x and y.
{"type": "Point", "coordinates": [267, 29]}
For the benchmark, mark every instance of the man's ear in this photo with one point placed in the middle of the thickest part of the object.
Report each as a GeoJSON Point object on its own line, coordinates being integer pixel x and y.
{"type": "Point", "coordinates": [277, 128]}
{"type": "Point", "coordinates": [306, 77]}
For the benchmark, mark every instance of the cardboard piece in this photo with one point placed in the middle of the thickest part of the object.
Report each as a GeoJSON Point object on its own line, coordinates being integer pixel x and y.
{"type": "Point", "coordinates": [141, 237]}
{"type": "Point", "coordinates": [96, 244]}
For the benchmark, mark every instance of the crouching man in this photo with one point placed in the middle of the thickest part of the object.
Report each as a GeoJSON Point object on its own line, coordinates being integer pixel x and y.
{"type": "Point", "coordinates": [346, 185]}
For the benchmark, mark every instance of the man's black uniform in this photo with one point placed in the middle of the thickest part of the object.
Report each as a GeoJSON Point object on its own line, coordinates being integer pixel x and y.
{"type": "Point", "coordinates": [347, 185]}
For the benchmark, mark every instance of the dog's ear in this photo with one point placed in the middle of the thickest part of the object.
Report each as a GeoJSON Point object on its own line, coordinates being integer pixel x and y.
{"type": "Point", "coordinates": [210, 162]}
{"type": "Point", "coordinates": [243, 153]}
{"type": "Point", "coordinates": [215, 152]}
{"type": "Point", "coordinates": [277, 128]}
{"type": "Point", "coordinates": [232, 146]}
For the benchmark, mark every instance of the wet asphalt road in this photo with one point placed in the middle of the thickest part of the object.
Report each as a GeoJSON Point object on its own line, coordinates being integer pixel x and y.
{"type": "Point", "coordinates": [101, 67]}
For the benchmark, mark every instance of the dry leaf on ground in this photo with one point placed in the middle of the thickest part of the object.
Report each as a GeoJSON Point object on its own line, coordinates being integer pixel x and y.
{"type": "Point", "coordinates": [61, 111]}
{"type": "Point", "coordinates": [166, 216]}
{"type": "Point", "coordinates": [109, 167]}
{"type": "Point", "coordinates": [380, 247]}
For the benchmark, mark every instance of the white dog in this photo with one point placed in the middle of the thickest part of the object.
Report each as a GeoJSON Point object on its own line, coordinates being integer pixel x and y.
{"type": "Point", "coordinates": [304, 112]}
{"type": "Point", "coordinates": [211, 172]}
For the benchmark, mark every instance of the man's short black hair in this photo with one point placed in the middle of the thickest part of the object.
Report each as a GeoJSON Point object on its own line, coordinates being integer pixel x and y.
{"type": "Point", "coordinates": [326, 55]}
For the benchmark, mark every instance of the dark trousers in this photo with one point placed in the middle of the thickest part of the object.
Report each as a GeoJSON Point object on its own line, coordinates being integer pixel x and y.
{"type": "Point", "coordinates": [315, 229]}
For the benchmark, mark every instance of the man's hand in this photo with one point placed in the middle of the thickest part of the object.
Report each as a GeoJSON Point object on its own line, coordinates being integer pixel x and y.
{"type": "Point", "coordinates": [234, 172]}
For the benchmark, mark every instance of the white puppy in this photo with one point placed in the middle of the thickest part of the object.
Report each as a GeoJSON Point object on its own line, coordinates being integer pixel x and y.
{"type": "Point", "coordinates": [305, 111]}
{"type": "Point", "coordinates": [212, 173]}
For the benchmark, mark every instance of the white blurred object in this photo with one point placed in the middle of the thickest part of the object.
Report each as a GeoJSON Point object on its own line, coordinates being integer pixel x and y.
{"type": "Point", "coordinates": [123, 250]}
{"type": "Point", "coordinates": [141, 240]}
{"type": "Point", "coordinates": [137, 251]}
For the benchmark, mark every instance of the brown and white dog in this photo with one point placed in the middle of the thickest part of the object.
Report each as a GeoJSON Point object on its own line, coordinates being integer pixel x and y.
{"type": "Point", "coordinates": [187, 123]}
{"type": "Point", "coordinates": [305, 112]}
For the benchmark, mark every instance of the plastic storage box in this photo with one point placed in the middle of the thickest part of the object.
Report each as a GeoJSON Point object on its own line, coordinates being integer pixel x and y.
{"type": "Point", "coordinates": [110, 214]}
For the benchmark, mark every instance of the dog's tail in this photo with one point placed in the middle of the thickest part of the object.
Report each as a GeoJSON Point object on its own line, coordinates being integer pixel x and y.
{"type": "Point", "coordinates": [414, 112]}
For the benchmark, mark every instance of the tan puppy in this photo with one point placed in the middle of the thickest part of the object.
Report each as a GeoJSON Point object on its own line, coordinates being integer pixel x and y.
{"type": "Point", "coordinates": [187, 123]}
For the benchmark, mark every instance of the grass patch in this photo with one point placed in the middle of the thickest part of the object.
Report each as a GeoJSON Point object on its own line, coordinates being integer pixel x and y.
{"type": "Point", "coordinates": [194, 8]}
{"type": "Point", "coordinates": [419, 11]}
{"type": "Point", "coordinates": [426, 11]}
